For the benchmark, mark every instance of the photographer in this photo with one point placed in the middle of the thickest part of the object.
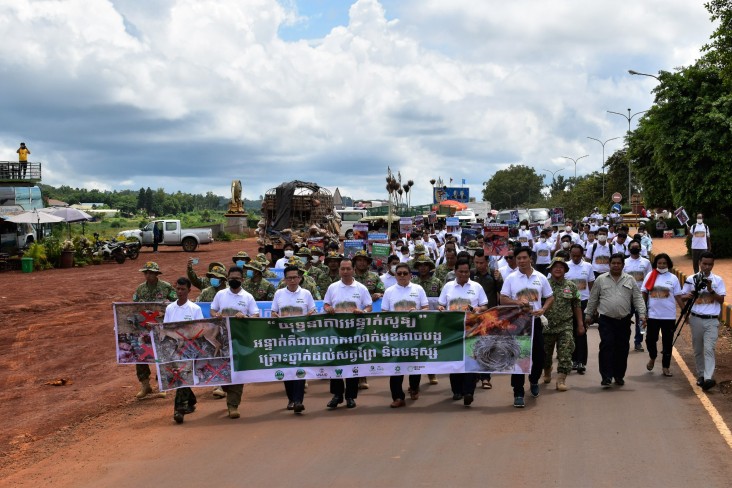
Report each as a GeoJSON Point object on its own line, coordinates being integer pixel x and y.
{"type": "Point", "coordinates": [709, 290]}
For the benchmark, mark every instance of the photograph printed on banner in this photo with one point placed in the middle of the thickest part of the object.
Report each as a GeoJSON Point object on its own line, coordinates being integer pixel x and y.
{"type": "Point", "coordinates": [498, 341]}
{"type": "Point", "coordinates": [495, 242]}
{"type": "Point", "coordinates": [175, 375]}
{"type": "Point", "coordinates": [210, 372]}
{"type": "Point", "coordinates": [133, 323]}
{"type": "Point", "coordinates": [178, 341]}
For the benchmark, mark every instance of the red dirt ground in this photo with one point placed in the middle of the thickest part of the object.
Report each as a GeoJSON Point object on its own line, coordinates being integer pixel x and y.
{"type": "Point", "coordinates": [58, 324]}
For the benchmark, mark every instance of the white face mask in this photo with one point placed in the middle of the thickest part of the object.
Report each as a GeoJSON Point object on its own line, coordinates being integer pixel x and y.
{"type": "Point", "coordinates": [289, 253]}
{"type": "Point", "coordinates": [565, 245]}
{"type": "Point", "coordinates": [393, 269]}
{"type": "Point", "coordinates": [542, 239]}
{"type": "Point", "coordinates": [419, 241]}
{"type": "Point", "coordinates": [568, 229]}
{"type": "Point", "coordinates": [662, 270]}
{"type": "Point", "coordinates": [314, 259]}
{"type": "Point", "coordinates": [602, 238]}
{"type": "Point", "coordinates": [699, 221]}
{"type": "Point", "coordinates": [523, 227]}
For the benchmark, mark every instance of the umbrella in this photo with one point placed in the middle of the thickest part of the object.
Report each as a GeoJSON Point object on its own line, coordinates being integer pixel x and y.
{"type": "Point", "coordinates": [34, 217]}
{"type": "Point", "coordinates": [69, 214]}
{"type": "Point", "coordinates": [451, 203]}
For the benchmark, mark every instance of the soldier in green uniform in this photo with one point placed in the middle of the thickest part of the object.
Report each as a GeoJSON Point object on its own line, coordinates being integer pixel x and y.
{"type": "Point", "coordinates": [217, 282]}
{"type": "Point", "coordinates": [431, 285]}
{"type": "Point", "coordinates": [240, 259]}
{"type": "Point", "coordinates": [306, 283]}
{"type": "Point", "coordinates": [472, 247]}
{"type": "Point", "coordinates": [316, 251]}
{"type": "Point", "coordinates": [333, 262]}
{"type": "Point", "coordinates": [309, 267]}
{"type": "Point", "coordinates": [152, 290]}
{"type": "Point", "coordinates": [261, 289]}
{"type": "Point", "coordinates": [196, 280]}
{"type": "Point", "coordinates": [559, 331]}
{"type": "Point", "coordinates": [262, 259]}
{"type": "Point", "coordinates": [372, 282]}
{"type": "Point", "coordinates": [449, 265]}
{"type": "Point", "coordinates": [419, 250]}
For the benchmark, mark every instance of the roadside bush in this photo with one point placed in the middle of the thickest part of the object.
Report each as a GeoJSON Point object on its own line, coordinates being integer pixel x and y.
{"type": "Point", "coordinates": [52, 246]}
{"type": "Point", "coordinates": [721, 232]}
{"type": "Point", "coordinates": [224, 236]}
{"type": "Point", "coordinates": [38, 253]}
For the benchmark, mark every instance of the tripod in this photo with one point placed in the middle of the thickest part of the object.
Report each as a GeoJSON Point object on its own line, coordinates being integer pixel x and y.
{"type": "Point", "coordinates": [684, 317]}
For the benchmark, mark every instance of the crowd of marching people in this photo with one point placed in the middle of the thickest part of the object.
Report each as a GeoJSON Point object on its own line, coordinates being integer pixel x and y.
{"type": "Point", "coordinates": [568, 277]}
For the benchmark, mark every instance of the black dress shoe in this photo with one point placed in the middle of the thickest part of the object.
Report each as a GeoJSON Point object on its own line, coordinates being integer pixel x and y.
{"type": "Point", "coordinates": [606, 383]}
{"type": "Point", "coordinates": [708, 385]}
{"type": "Point", "coordinates": [291, 406]}
{"type": "Point", "coordinates": [298, 407]}
{"type": "Point", "coordinates": [581, 368]}
{"type": "Point", "coordinates": [335, 401]}
{"type": "Point", "coordinates": [467, 399]}
{"type": "Point", "coordinates": [700, 381]}
{"type": "Point", "coordinates": [456, 397]}
{"type": "Point", "coordinates": [619, 381]}
{"type": "Point", "coordinates": [350, 403]}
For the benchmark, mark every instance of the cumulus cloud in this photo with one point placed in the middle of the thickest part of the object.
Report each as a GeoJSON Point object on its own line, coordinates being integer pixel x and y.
{"type": "Point", "coordinates": [188, 94]}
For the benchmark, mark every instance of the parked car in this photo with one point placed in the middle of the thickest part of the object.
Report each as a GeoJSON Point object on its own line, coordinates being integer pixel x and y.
{"type": "Point", "coordinates": [350, 216]}
{"type": "Point", "coordinates": [466, 217]}
{"type": "Point", "coordinates": [505, 215]}
{"type": "Point", "coordinates": [540, 215]}
{"type": "Point", "coordinates": [173, 235]}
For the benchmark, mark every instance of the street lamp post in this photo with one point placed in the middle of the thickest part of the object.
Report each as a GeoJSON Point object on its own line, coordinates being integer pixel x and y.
{"type": "Point", "coordinates": [633, 72]}
{"type": "Point", "coordinates": [510, 197]}
{"type": "Point", "coordinates": [575, 163]}
{"type": "Point", "coordinates": [553, 173]}
{"type": "Point", "coordinates": [628, 118]}
{"type": "Point", "coordinates": [603, 160]}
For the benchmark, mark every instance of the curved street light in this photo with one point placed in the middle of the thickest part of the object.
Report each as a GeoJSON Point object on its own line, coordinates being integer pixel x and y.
{"type": "Point", "coordinates": [628, 118]}
{"type": "Point", "coordinates": [603, 159]}
{"type": "Point", "coordinates": [575, 163]}
{"type": "Point", "coordinates": [633, 72]}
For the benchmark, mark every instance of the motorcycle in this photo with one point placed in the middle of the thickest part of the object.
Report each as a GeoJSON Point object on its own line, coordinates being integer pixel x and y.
{"type": "Point", "coordinates": [132, 249]}
{"type": "Point", "coordinates": [108, 250]}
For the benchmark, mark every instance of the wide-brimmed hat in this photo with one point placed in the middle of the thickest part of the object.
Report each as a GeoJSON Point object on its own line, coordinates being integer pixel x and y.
{"type": "Point", "coordinates": [362, 254]}
{"type": "Point", "coordinates": [303, 251]}
{"type": "Point", "coordinates": [215, 264]}
{"type": "Point", "coordinates": [262, 259]}
{"type": "Point", "coordinates": [473, 246]}
{"type": "Point", "coordinates": [316, 251]}
{"type": "Point", "coordinates": [254, 265]}
{"type": "Point", "coordinates": [420, 249]}
{"type": "Point", "coordinates": [151, 266]}
{"type": "Point", "coordinates": [333, 256]}
{"type": "Point", "coordinates": [241, 256]}
{"type": "Point", "coordinates": [561, 260]}
{"type": "Point", "coordinates": [423, 259]}
{"type": "Point", "coordinates": [217, 272]}
{"type": "Point", "coordinates": [297, 262]}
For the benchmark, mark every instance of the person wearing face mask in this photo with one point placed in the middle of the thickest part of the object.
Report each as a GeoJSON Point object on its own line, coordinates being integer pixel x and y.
{"type": "Point", "coordinates": [306, 282]}
{"type": "Point", "coordinates": [580, 273]}
{"type": "Point", "coordinates": [262, 290]}
{"type": "Point", "coordinates": [234, 301]}
{"type": "Point", "coordinates": [404, 254]}
{"type": "Point", "coordinates": [332, 261]}
{"type": "Point", "coordinates": [261, 258]}
{"type": "Point", "coordinates": [430, 284]}
{"type": "Point", "coordinates": [638, 267]}
{"type": "Point", "coordinates": [389, 276]}
{"type": "Point", "coordinates": [704, 317]}
{"type": "Point", "coordinates": [197, 281]}
{"type": "Point", "coordinates": [569, 231]}
{"type": "Point", "coordinates": [316, 253]}
{"type": "Point", "coordinates": [308, 262]}
{"type": "Point", "coordinates": [662, 292]}
{"type": "Point", "coordinates": [599, 253]}
{"type": "Point", "coordinates": [217, 282]}
{"type": "Point", "coordinates": [563, 244]}
{"type": "Point", "coordinates": [701, 240]}
{"type": "Point", "coordinates": [289, 251]}
{"type": "Point", "coordinates": [542, 253]}
{"type": "Point", "coordinates": [419, 250]}
{"type": "Point", "coordinates": [525, 237]}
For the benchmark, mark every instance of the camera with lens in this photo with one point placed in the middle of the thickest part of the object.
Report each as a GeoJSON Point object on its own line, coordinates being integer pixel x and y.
{"type": "Point", "coordinates": [700, 282]}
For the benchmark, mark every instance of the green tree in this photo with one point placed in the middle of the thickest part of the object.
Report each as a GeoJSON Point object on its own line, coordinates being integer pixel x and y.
{"type": "Point", "coordinates": [513, 186]}
{"type": "Point", "coordinates": [141, 199]}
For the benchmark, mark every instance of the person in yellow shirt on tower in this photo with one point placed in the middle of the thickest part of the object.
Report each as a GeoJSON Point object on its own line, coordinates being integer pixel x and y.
{"type": "Point", "coordinates": [23, 153]}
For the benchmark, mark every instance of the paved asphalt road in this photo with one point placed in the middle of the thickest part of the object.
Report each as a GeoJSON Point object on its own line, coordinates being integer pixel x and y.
{"type": "Point", "coordinates": [651, 432]}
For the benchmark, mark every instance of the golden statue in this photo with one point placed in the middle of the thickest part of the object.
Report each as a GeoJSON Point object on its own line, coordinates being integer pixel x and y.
{"type": "Point", "coordinates": [235, 204]}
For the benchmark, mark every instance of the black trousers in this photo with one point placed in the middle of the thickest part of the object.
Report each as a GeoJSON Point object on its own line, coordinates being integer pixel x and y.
{"type": "Point", "coordinates": [463, 383]}
{"type": "Point", "coordinates": [537, 361]}
{"type": "Point", "coordinates": [349, 386]}
{"type": "Point", "coordinates": [184, 397]}
{"type": "Point", "coordinates": [295, 390]}
{"type": "Point", "coordinates": [579, 355]}
{"type": "Point", "coordinates": [395, 385]}
{"type": "Point", "coordinates": [542, 268]}
{"type": "Point", "coordinates": [614, 346]}
{"type": "Point", "coordinates": [666, 327]}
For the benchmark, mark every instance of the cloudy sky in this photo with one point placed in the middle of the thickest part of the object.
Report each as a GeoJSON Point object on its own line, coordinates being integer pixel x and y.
{"type": "Point", "coordinates": [188, 94]}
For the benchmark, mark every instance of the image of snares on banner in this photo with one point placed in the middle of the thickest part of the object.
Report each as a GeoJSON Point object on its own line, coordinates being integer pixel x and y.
{"type": "Point", "coordinates": [498, 340]}
{"type": "Point", "coordinates": [495, 242]}
{"type": "Point", "coordinates": [178, 341]}
{"type": "Point", "coordinates": [133, 324]}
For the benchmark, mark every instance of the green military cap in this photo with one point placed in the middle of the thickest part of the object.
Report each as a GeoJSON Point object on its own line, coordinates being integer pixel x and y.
{"type": "Point", "coordinates": [559, 259]}
{"type": "Point", "coordinates": [217, 271]}
{"type": "Point", "coordinates": [216, 264]}
{"type": "Point", "coordinates": [423, 259]}
{"type": "Point", "coordinates": [473, 245]}
{"type": "Point", "coordinates": [255, 265]}
{"type": "Point", "coordinates": [303, 251]}
{"type": "Point", "coordinates": [316, 251]}
{"type": "Point", "coordinates": [151, 266]}
{"type": "Point", "coordinates": [241, 256]}
{"type": "Point", "coordinates": [362, 254]}
{"type": "Point", "coordinates": [419, 249]}
{"type": "Point", "coordinates": [333, 256]}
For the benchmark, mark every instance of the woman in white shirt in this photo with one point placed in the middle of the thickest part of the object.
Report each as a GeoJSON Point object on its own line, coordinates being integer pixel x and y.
{"type": "Point", "coordinates": [662, 291]}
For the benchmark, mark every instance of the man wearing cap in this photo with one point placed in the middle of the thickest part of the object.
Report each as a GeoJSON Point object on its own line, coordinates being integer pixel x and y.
{"type": "Point", "coordinates": [308, 265]}
{"type": "Point", "coordinates": [183, 310]}
{"type": "Point", "coordinates": [404, 297]}
{"type": "Point", "coordinates": [152, 290]}
{"type": "Point", "coordinates": [240, 259]}
{"type": "Point", "coordinates": [196, 280]}
{"type": "Point", "coordinates": [262, 290]}
{"type": "Point", "coordinates": [332, 261]}
{"type": "Point", "coordinates": [581, 274]}
{"type": "Point", "coordinates": [449, 265]}
{"type": "Point", "coordinates": [560, 317]}
{"type": "Point", "coordinates": [419, 250]}
{"type": "Point", "coordinates": [346, 296]}
{"type": "Point", "coordinates": [306, 282]}
{"type": "Point", "coordinates": [262, 259]}
{"type": "Point", "coordinates": [293, 301]}
{"type": "Point", "coordinates": [316, 251]}
{"type": "Point", "coordinates": [369, 279]}
{"type": "Point", "coordinates": [431, 285]}
{"type": "Point", "coordinates": [234, 301]}
{"type": "Point", "coordinates": [217, 279]}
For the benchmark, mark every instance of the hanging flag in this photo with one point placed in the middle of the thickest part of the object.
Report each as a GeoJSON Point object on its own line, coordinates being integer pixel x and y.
{"type": "Point", "coordinates": [463, 181]}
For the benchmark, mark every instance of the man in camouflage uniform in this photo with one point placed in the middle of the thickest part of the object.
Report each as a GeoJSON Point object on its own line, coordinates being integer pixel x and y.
{"type": "Point", "coordinates": [316, 251]}
{"type": "Point", "coordinates": [262, 259]}
{"type": "Point", "coordinates": [449, 265]}
{"type": "Point", "coordinates": [261, 289]}
{"type": "Point", "coordinates": [217, 282]}
{"type": "Point", "coordinates": [152, 290]}
{"type": "Point", "coordinates": [240, 259]}
{"type": "Point", "coordinates": [431, 285]}
{"type": "Point", "coordinates": [197, 281]}
{"type": "Point", "coordinates": [560, 330]}
{"type": "Point", "coordinates": [419, 250]}
{"type": "Point", "coordinates": [332, 262]}
{"type": "Point", "coordinates": [308, 266]}
{"type": "Point", "coordinates": [306, 283]}
{"type": "Point", "coordinates": [372, 282]}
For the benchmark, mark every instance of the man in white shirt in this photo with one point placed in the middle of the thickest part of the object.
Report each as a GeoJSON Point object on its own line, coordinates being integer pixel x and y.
{"type": "Point", "coordinates": [581, 274]}
{"type": "Point", "coordinates": [568, 230]}
{"type": "Point", "coordinates": [289, 250]}
{"type": "Point", "coordinates": [704, 317]}
{"type": "Point", "coordinates": [621, 244]}
{"type": "Point", "coordinates": [234, 302]}
{"type": "Point", "coordinates": [404, 296]}
{"type": "Point", "coordinates": [389, 278]}
{"type": "Point", "coordinates": [542, 253]}
{"type": "Point", "coordinates": [700, 240]}
{"type": "Point", "coordinates": [293, 301]}
{"type": "Point", "coordinates": [346, 296]}
{"type": "Point", "coordinates": [430, 245]}
{"type": "Point", "coordinates": [179, 311]}
{"type": "Point", "coordinates": [526, 288]}
{"type": "Point", "coordinates": [599, 253]}
{"type": "Point", "coordinates": [462, 293]}
{"type": "Point", "coordinates": [638, 267]}
{"type": "Point", "coordinates": [510, 266]}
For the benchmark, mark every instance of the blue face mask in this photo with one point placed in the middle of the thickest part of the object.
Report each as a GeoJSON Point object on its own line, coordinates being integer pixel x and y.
{"type": "Point", "coordinates": [215, 282]}
{"type": "Point", "coordinates": [250, 273]}
{"type": "Point", "coordinates": [240, 263]}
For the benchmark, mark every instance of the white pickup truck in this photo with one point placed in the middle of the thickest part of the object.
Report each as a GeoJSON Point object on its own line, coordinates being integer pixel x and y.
{"type": "Point", "coordinates": [172, 235]}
